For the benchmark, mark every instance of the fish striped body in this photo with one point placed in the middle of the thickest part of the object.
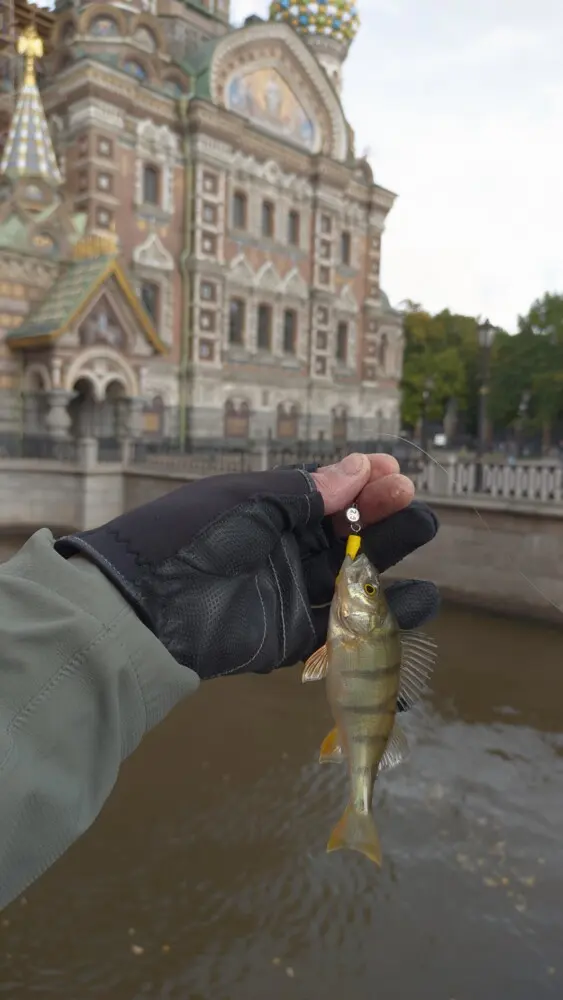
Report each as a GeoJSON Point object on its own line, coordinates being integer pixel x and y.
{"type": "Point", "coordinates": [363, 678]}
{"type": "Point", "coordinates": [369, 665]}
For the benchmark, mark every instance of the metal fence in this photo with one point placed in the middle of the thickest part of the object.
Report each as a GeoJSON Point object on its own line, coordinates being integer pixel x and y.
{"type": "Point", "coordinates": [38, 446]}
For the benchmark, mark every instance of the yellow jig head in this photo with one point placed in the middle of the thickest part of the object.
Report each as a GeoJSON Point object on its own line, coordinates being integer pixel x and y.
{"type": "Point", "coordinates": [354, 538]}
{"type": "Point", "coordinates": [353, 517]}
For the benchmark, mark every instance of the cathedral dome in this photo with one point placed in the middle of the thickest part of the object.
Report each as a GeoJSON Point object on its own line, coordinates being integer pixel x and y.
{"type": "Point", "coordinates": [335, 19]}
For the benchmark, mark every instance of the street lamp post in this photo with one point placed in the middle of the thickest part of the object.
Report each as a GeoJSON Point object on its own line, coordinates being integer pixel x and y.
{"type": "Point", "coordinates": [426, 394]}
{"type": "Point", "coordinates": [486, 333]}
{"type": "Point", "coordinates": [522, 413]}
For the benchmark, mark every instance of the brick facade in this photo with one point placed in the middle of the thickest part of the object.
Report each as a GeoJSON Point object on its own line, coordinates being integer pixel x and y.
{"type": "Point", "coordinates": [255, 250]}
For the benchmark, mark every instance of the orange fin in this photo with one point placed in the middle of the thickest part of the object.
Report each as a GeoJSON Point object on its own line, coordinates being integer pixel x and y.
{"type": "Point", "coordinates": [356, 832]}
{"type": "Point", "coordinates": [316, 666]}
{"type": "Point", "coordinates": [331, 750]}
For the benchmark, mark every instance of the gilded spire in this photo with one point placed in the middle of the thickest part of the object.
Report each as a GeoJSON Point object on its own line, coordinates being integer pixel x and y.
{"type": "Point", "coordinates": [29, 150]}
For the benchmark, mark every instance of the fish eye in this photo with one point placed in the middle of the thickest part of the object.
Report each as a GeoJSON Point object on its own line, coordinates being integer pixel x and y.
{"type": "Point", "coordinates": [369, 589]}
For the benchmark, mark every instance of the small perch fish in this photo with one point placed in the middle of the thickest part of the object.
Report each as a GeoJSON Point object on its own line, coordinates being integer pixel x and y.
{"type": "Point", "coordinates": [369, 664]}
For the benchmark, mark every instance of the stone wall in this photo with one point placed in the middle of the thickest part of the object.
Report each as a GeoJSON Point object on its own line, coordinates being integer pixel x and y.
{"type": "Point", "coordinates": [60, 497]}
{"type": "Point", "coordinates": [477, 559]}
{"type": "Point", "coordinates": [482, 559]}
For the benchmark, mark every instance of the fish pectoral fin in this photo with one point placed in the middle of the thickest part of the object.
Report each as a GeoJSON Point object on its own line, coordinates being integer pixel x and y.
{"type": "Point", "coordinates": [356, 832]}
{"type": "Point", "coordinates": [316, 666]}
{"type": "Point", "coordinates": [396, 751]}
{"type": "Point", "coordinates": [331, 749]}
{"type": "Point", "coordinates": [418, 659]}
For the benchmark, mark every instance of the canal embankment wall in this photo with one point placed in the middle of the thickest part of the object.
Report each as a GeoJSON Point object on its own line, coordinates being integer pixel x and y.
{"type": "Point", "coordinates": [507, 557]}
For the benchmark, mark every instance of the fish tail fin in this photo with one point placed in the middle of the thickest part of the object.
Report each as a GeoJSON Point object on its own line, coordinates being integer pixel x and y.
{"type": "Point", "coordinates": [356, 831]}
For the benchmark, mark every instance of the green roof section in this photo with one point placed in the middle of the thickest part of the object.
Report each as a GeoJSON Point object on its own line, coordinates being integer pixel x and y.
{"type": "Point", "coordinates": [64, 300]}
{"type": "Point", "coordinates": [198, 66]}
{"type": "Point", "coordinates": [14, 233]}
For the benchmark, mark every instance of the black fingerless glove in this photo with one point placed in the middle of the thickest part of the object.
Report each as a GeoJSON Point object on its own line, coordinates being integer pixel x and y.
{"type": "Point", "coordinates": [235, 573]}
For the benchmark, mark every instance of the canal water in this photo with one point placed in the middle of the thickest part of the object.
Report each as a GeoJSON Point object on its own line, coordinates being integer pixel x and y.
{"type": "Point", "coordinates": [206, 876]}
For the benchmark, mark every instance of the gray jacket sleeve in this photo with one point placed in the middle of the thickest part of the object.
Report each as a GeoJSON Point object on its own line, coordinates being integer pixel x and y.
{"type": "Point", "coordinates": [81, 681]}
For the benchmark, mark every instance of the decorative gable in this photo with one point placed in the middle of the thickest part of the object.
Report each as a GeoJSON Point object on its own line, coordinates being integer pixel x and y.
{"type": "Point", "coordinates": [266, 74]}
{"type": "Point", "coordinates": [152, 253]}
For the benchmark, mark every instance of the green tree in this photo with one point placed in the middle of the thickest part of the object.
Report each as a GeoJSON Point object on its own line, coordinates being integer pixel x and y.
{"type": "Point", "coordinates": [444, 348]}
{"type": "Point", "coordinates": [539, 348]}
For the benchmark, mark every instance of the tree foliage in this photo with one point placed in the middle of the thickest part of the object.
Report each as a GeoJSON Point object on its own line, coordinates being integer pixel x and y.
{"type": "Point", "coordinates": [527, 365]}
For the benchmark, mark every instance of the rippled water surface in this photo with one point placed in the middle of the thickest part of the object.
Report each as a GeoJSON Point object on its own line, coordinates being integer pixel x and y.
{"type": "Point", "coordinates": [206, 877]}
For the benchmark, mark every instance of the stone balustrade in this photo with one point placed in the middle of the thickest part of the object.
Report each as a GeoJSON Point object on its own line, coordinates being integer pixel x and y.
{"type": "Point", "coordinates": [532, 482]}
{"type": "Point", "coordinates": [501, 548]}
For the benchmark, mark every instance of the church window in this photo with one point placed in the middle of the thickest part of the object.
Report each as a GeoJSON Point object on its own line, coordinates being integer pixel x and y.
{"type": "Point", "coordinates": [237, 315]}
{"type": "Point", "coordinates": [208, 291]}
{"type": "Point", "coordinates": [150, 297]}
{"type": "Point", "coordinates": [210, 183]}
{"type": "Point", "coordinates": [346, 247]}
{"type": "Point", "coordinates": [151, 184]}
{"type": "Point", "coordinates": [206, 350]}
{"type": "Point", "coordinates": [209, 243]}
{"type": "Point", "coordinates": [264, 333]}
{"type": "Point", "coordinates": [207, 320]}
{"type": "Point", "coordinates": [103, 218]}
{"type": "Point", "coordinates": [326, 224]}
{"type": "Point", "coordinates": [240, 209]}
{"type": "Point", "coordinates": [104, 182]}
{"type": "Point", "coordinates": [324, 276]}
{"type": "Point", "coordinates": [105, 147]}
{"type": "Point", "coordinates": [210, 214]}
{"type": "Point", "coordinates": [325, 249]}
{"type": "Point", "coordinates": [289, 331]}
{"type": "Point", "coordinates": [293, 228]}
{"type": "Point", "coordinates": [342, 343]}
{"type": "Point", "coordinates": [268, 217]}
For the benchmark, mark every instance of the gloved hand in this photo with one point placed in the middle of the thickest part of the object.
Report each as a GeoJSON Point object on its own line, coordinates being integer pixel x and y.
{"type": "Point", "coordinates": [235, 573]}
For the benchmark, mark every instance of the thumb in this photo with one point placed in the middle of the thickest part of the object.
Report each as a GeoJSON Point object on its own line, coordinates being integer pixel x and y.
{"type": "Point", "coordinates": [340, 484]}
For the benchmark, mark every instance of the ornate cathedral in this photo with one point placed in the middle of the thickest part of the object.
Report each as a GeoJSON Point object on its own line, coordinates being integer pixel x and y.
{"type": "Point", "coordinates": [189, 241]}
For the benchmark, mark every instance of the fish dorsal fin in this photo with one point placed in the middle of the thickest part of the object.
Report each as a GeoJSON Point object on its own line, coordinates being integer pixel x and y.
{"type": "Point", "coordinates": [396, 751]}
{"type": "Point", "coordinates": [418, 660]}
{"type": "Point", "coordinates": [316, 666]}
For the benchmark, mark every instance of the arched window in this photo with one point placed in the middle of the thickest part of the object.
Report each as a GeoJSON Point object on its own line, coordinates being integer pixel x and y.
{"type": "Point", "coordinates": [240, 210]}
{"type": "Point", "coordinates": [339, 426]}
{"type": "Point", "coordinates": [287, 422]}
{"type": "Point", "coordinates": [151, 184]}
{"type": "Point", "coordinates": [237, 419]}
{"type": "Point", "coordinates": [153, 418]}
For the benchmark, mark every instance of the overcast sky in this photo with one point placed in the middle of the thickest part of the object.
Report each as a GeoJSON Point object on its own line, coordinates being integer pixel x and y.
{"type": "Point", "coordinates": [461, 105]}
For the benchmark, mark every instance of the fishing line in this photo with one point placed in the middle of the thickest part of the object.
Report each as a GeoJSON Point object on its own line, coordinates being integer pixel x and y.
{"type": "Point", "coordinates": [451, 478]}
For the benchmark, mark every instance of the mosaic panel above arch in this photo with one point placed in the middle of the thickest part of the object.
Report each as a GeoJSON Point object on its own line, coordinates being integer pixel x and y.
{"type": "Point", "coordinates": [267, 74]}
{"type": "Point", "coordinates": [263, 96]}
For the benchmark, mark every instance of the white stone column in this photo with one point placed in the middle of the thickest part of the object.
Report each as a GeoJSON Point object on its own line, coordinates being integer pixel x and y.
{"type": "Point", "coordinates": [58, 418]}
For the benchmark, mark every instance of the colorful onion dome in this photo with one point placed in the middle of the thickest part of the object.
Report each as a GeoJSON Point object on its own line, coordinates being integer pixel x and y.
{"type": "Point", "coordinates": [337, 19]}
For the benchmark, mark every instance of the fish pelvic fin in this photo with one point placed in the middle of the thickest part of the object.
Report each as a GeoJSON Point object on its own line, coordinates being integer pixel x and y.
{"type": "Point", "coordinates": [356, 831]}
{"type": "Point", "coordinates": [316, 666]}
{"type": "Point", "coordinates": [331, 749]}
